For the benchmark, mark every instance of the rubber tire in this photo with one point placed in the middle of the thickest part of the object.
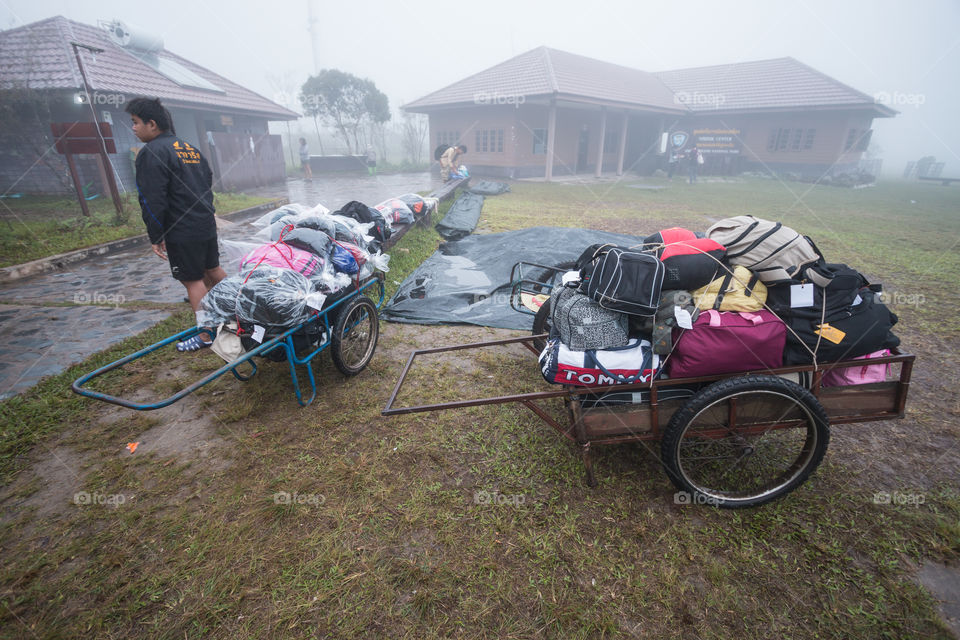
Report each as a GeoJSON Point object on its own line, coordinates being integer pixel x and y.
{"type": "Point", "coordinates": [541, 321]}
{"type": "Point", "coordinates": [807, 460]}
{"type": "Point", "coordinates": [541, 324]}
{"type": "Point", "coordinates": [344, 334]}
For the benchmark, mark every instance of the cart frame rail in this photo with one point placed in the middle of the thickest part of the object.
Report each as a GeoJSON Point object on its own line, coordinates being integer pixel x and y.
{"type": "Point", "coordinates": [646, 421]}
{"type": "Point", "coordinates": [283, 341]}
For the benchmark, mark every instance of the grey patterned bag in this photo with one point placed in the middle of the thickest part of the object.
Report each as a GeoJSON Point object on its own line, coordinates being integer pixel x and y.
{"type": "Point", "coordinates": [583, 324]}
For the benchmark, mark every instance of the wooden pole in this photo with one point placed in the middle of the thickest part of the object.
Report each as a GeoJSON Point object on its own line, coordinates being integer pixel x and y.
{"type": "Point", "coordinates": [111, 182]}
{"type": "Point", "coordinates": [76, 184]}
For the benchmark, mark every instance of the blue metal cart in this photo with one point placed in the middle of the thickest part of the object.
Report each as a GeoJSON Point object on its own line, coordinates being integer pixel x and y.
{"type": "Point", "coordinates": [349, 325]}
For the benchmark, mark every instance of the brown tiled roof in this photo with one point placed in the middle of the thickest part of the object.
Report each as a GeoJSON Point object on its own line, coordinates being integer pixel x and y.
{"type": "Point", "coordinates": [39, 55]}
{"type": "Point", "coordinates": [545, 72]}
{"type": "Point", "coordinates": [781, 83]}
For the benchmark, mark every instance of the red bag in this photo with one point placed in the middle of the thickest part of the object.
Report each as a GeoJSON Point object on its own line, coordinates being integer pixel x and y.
{"type": "Point", "coordinates": [690, 262]}
{"type": "Point", "coordinates": [728, 342]}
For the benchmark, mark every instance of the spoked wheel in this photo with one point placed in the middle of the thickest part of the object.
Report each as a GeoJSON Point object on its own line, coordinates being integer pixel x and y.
{"type": "Point", "coordinates": [541, 321]}
{"type": "Point", "coordinates": [745, 441]}
{"type": "Point", "coordinates": [355, 335]}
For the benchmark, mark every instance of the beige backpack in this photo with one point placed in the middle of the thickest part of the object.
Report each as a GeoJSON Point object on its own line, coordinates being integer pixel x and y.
{"type": "Point", "coordinates": [774, 252]}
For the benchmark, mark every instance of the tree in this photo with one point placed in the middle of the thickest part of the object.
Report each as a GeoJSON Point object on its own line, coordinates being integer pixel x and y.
{"type": "Point", "coordinates": [346, 103]}
{"type": "Point", "coordinates": [414, 133]}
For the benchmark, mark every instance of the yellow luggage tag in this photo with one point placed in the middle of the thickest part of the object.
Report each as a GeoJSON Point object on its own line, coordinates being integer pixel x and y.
{"type": "Point", "coordinates": [832, 334]}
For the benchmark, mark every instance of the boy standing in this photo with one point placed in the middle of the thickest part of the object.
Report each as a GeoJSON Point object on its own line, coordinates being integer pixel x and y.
{"type": "Point", "coordinates": [176, 200]}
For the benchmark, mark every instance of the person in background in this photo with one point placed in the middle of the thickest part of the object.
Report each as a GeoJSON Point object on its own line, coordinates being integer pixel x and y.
{"type": "Point", "coordinates": [672, 163]}
{"type": "Point", "coordinates": [695, 160]}
{"type": "Point", "coordinates": [371, 161]}
{"type": "Point", "coordinates": [450, 160]}
{"type": "Point", "coordinates": [305, 159]}
{"type": "Point", "coordinates": [175, 184]}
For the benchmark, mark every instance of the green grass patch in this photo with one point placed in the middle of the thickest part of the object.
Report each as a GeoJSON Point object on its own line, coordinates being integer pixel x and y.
{"type": "Point", "coordinates": [332, 521]}
{"type": "Point", "coordinates": [35, 227]}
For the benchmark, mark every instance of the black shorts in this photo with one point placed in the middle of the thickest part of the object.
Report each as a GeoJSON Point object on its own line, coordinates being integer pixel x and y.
{"type": "Point", "coordinates": [188, 260]}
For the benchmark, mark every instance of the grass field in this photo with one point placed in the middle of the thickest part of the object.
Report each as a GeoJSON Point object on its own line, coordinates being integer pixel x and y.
{"type": "Point", "coordinates": [244, 516]}
{"type": "Point", "coordinates": [35, 227]}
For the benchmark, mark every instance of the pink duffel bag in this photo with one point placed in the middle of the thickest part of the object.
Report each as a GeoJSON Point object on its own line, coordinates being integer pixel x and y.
{"type": "Point", "coordinates": [861, 374]}
{"type": "Point", "coordinates": [282, 256]}
{"type": "Point", "coordinates": [727, 342]}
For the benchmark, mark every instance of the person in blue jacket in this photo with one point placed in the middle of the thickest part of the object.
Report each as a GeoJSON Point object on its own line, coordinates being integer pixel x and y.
{"type": "Point", "coordinates": [175, 184]}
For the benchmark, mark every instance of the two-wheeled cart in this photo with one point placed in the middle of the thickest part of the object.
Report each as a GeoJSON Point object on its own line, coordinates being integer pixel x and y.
{"type": "Point", "coordinates": [732, 440]}
{"type": "Point", "coordinates": [348, 325]}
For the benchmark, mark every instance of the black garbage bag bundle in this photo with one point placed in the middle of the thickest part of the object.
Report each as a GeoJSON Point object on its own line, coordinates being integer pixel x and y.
{"type": "Point", "coordinates": [380, 231]}
{"type": "Point", "coordinates": [316, 242]}
{"type": "Point", "coordinates": [462, 217]}
{"type": "Point", "coordinates": [269, 297]}
{"type": "Point", "coordinates": [488, 188]}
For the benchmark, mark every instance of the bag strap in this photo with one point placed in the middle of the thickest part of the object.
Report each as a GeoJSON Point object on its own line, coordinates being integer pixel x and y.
{"type": "Point", "coordinates": [590, 361]}
{"type": "Point", "coordinates": [751, 283]}
{"type": "Point", "coordinates": [723, 290]}
{"type": "Point", "coordinates": [755, 243]}
{"type": "Point", "coordinates": [715, 318]}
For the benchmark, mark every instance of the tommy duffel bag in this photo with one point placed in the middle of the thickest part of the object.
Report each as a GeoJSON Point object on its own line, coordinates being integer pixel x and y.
{"type": "Point", "coordinates": [632, 363]}
{"type": "Point", "coordinates": [623, 280]}
{"type": "Point", "coordinates": [728, 342]}
{"type": "Point", "coordinates": [583, 324]}
{"type": "Point", "coordinates": [772, 251]}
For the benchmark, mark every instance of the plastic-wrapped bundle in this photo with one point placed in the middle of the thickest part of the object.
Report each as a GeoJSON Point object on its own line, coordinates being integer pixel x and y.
{"type": "Point", "coordinates": [219, 305]}
{"type": "Point", "coordinates": [282, 256]}
{"type": "Point", "coordinates": [416, 203]}
{"type": "Point", "coordinates": [319, 223]}
{"type": "Point", "coordinates": [293, 210]}
{"type": "Point", "coordinates": [276, 298]}
{"type": "Point", "coordinates": [358, 254]}
{"type": "Point", "coordinates": [330, 280]}
{"type": "Point", "coordinates": [349, 230]}
{"type": "Point", "coordinates": [396, 211]}
{"type": "Point", "coordinates": [316, 242]}
{"type": "Point", "coordinates": [342, 260]}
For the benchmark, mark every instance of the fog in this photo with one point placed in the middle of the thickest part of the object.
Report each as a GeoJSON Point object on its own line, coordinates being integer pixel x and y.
{"type": "Point", "coordinates": [908, 51]}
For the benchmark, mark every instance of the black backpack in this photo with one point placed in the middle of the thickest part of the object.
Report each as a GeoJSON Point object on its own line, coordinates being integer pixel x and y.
{"type": "Point", "coordinates": [362, 213]}
{"type": "Point", "coordinates": [439, 151]}
{"type": "Point", "coordinates": [844, 284]}
{"type": "Point", "coordinates": [852, 331]}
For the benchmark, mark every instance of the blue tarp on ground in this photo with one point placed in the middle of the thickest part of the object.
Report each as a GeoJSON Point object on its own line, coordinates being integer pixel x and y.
{"type": "Point", "coordinates": [468, 282]}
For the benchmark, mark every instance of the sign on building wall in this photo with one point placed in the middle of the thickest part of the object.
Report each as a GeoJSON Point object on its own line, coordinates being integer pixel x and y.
{"type": "Point", "coordinates": [717, 141]}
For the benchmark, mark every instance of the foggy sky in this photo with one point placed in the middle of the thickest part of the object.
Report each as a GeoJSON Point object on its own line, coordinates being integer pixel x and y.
{"type": "Point", "coordinates": [910, 51]}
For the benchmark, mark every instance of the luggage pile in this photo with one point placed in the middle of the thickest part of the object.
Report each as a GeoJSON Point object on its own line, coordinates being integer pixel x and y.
{"type": "Point", "coordinates": [299, 260]}
{"type": "Point", "coordinates": [747, 295]}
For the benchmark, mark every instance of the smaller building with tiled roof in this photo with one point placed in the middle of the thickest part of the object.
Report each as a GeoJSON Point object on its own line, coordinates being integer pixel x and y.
{"type": "Point", "coordinates": [38, 66]}
{"type": "Point", "coordinates": [548, 111]}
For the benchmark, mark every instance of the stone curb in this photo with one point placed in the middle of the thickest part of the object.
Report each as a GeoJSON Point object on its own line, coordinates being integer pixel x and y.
{"type": "Point", "coordinates": [59, 261]}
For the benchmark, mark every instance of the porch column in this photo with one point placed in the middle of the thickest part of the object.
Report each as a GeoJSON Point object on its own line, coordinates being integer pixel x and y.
{"type": "Point", "coordinates": [551, 139]}
{"type": "Point", "coordinates": [603, 135]}
{"type": "Point", "coordinates": [623, 143]}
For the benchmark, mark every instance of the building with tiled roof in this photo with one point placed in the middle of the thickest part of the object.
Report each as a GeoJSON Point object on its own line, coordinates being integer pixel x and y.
{"type": "Point", "coordinates": [38, 64]}
{"type": "Point", "coordinates": [548, 111]}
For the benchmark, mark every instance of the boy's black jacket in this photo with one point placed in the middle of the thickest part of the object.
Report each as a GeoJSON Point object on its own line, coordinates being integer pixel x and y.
{"type": "Point", "coordinates": [175, 184]}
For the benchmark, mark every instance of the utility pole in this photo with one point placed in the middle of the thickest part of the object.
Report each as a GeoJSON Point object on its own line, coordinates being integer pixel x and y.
{"type": "Point", "coordinates": [107, 165]}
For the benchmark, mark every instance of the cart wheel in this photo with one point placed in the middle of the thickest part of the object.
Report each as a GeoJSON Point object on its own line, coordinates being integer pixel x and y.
{"type": "Point", "coordinates": [541, 321]}
{"type": "Point", "coordinates": [541, 324]}
{"type": "Point", "coordinates": [745, 441]}
{"type": "Point", "coordinates": [355, 335]}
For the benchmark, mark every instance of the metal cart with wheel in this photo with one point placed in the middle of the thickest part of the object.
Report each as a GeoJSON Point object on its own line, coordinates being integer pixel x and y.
{"type": "Point", "coordinates": [732, 440]}
{"type": "Point", "coordinates": [348, 325]}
